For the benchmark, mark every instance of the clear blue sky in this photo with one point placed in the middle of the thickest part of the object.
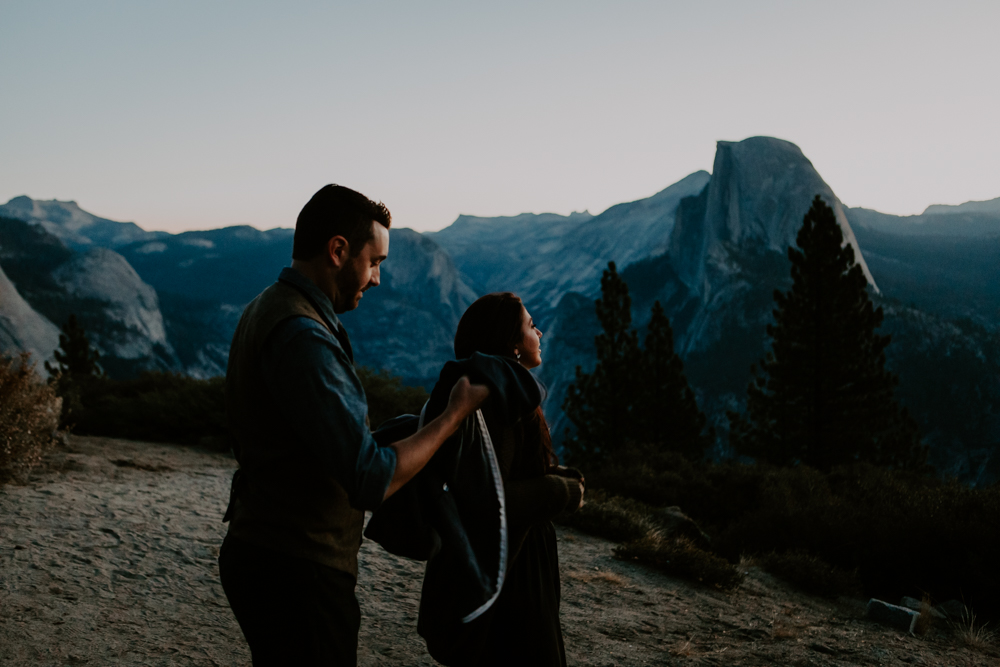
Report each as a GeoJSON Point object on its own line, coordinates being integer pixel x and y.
{"type": "Point", "coordinates": [187, 115]}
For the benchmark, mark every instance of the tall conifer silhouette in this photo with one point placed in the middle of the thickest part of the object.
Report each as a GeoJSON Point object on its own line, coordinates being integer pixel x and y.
{"type": "Point", "coordinates": [633, 395]}
{"type": "Point", "coordinates": [822, 396]}
{"type": "Point", "coordinates": [74, 357]}
{"type": "Point", "coordinates": [666, 413]}
{"type": "Point", "coordinates": [600, 403]}
{"type": "Point", "coordinates": [76, 367]}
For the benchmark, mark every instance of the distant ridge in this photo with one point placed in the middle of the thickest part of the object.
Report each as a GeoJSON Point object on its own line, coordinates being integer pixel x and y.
{"type": "Point", "coordinates": [74, 226]}
{"type": "Point", "coordinates": [989, 206]}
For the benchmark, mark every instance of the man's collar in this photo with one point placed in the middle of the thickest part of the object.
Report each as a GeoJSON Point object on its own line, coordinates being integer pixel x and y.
{"type": "Point", "coordinates": [314, 294]}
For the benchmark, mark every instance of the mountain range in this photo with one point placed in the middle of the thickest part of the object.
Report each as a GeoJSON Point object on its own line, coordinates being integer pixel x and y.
{"type": "Point", "coordinates": [712, 248]}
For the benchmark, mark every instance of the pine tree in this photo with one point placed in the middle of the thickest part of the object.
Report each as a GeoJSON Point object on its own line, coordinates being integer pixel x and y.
{"type": "Point", "coordinates": [666, 413]}
{"type": "Point", "coordinates": [75, 357]}
{"type": "Point", "coordinates": [599, 404]}
{"type": "Point", "coordinates": [633, 395]}
{"type": "Point", "coordinates": [822, 395]}
{"type": "Point", "coordinates": [77, 366]}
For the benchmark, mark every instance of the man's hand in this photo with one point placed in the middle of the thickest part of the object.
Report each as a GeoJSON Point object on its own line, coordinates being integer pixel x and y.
{"type": "Point", "coordinates": [414, 452]}
{"type": "Point", "coordinates": [582, 489]}
{"type": "Point", "coordinates": [466, 398]}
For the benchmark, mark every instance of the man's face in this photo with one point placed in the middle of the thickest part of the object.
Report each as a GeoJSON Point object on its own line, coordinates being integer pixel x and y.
{"type": "Point", "coordinates": [361, 271]}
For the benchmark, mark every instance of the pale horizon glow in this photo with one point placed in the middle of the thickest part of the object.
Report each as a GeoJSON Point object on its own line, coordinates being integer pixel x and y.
{"type": "Point", "coordinates": [184, 115]}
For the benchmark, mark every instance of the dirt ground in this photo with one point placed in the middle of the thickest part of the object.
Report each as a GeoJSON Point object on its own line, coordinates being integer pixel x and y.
{"type": "Point", "coordinates": [108, 556]}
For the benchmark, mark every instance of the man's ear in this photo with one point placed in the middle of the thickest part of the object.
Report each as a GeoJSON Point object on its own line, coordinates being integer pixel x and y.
{"type": "Point", "coordinates": [337, 250]}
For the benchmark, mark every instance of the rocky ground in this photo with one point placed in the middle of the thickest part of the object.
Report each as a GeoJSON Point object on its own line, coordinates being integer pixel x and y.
{"type": "Point", "coordinates": [108, 556]}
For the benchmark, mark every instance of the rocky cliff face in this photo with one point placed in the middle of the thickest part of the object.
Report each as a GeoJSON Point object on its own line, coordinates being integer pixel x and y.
{"type": "Point", "coordinates": [204, 279]}
{"type": "Point", "coordinates": [133, 325]}
{"type": "Point", "coordinates": [23, 329]}
{"type": "Point", "coordinates": [407, 324]}
{"type": "Point", "coordinates": [117, 309]}
{"type": "Point", "coordinates": [542, 257]}
{"type": "Point", "coordinates": [758, 194]}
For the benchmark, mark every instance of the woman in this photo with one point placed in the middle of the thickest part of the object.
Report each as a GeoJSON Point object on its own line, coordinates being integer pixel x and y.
{"type": "Point", "coordinates": [523, 624]}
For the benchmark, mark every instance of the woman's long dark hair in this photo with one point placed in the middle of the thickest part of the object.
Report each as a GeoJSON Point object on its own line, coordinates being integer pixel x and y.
{"type": "Point", "coordinates": [493, 325]}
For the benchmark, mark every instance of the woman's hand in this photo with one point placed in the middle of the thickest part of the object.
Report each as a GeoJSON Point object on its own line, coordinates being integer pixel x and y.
{"type": "Point", "coordinates": [565, 471]}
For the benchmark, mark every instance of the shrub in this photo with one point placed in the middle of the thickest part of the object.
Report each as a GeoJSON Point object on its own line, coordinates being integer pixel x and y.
{"type": "Point", "coordinates": [638, 526]}
{"type": "Point", "coordinates": [29, 413]}
{"type": "Point", "coordinates": [811, 573]}
{"type": "Point", "coordinates": [614, 518]}
{"type": "Point", "coordinates": [902, 533]}
{"type": "Point", "coordinates": [388, 397]}
{"type": "Point", "coordinates": [169, 407]}
{"type": "Point", "coordinates": [646, 473]}
{"type": "Point", "coordinates": [681, 557]}
{"type": "Point", "coordinates": [158, 407]}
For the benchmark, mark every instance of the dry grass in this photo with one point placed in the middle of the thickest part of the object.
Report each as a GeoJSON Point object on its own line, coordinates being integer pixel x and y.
{"type": "Point", "coordinates": [29, 414]}
{"type": "Point", "coordinates": [783, 629]}
{"type": "Point", "coordinates": [972, 635]}
{"type": "Point", "coordinates": [598, 575]}
{"type": "Point", "coordinates": [924, 621]}
{"type": "Point", "coordinates": [784, 626]}
{"type": "Point", "coordinates": [683, 649]}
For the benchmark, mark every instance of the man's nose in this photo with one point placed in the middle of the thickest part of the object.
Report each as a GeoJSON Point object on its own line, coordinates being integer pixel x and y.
{"type": "Point", "coordinates": [376, 279]}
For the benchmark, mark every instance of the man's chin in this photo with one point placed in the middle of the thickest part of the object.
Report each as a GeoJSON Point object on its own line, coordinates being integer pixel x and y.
{"type": "Point", "coordinates": [346, 306]}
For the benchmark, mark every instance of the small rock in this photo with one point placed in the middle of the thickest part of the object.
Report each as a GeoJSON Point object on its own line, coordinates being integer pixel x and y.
{"type": "Point", "coordinates": [953, 609]}
{"type": "Point", "coordinates": [892, 615]}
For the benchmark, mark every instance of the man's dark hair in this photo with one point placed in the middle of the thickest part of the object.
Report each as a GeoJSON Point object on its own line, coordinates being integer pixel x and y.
{"type": "Point", "coordinates": [337, 211]}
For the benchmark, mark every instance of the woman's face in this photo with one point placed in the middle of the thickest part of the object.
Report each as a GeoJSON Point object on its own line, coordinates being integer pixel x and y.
{"type": "Point", "coordinates": [530, 347]}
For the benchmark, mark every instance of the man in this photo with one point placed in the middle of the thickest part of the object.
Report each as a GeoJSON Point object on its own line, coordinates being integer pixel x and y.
{"type": "Point", "coordinates": [308, 464]}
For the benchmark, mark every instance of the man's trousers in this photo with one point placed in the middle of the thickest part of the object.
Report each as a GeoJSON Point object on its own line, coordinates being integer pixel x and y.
{"type": "Point", "coordinates": [292, 611]}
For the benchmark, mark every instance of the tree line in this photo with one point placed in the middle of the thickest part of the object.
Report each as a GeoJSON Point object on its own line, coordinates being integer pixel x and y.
{"type": "Point", "coordinates": [821, 397]}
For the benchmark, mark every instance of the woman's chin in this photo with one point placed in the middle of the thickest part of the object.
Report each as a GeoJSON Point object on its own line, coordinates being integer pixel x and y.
{"type": "Point", "coordinates": [531, 363]}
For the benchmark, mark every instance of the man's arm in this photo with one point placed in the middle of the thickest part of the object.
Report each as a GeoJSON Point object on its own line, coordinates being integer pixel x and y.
{"type": "Point", "coordinates": [413, 453]}
{"type": "Point", "coordinates": [313, 386]}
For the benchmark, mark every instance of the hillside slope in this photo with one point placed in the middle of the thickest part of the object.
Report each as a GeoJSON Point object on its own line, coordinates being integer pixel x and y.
{"type": "Point", "coordinates": [110, 557]}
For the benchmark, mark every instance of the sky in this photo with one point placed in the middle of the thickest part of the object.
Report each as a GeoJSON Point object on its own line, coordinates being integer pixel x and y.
{"type": "Point", "coordinates": [195, 115]}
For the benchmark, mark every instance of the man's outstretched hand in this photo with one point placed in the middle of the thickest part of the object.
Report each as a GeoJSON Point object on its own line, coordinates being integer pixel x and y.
{"type": "Point", "coordinates": [466, 398]}
{"type": "Point", "coordinates": [414, 452]}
